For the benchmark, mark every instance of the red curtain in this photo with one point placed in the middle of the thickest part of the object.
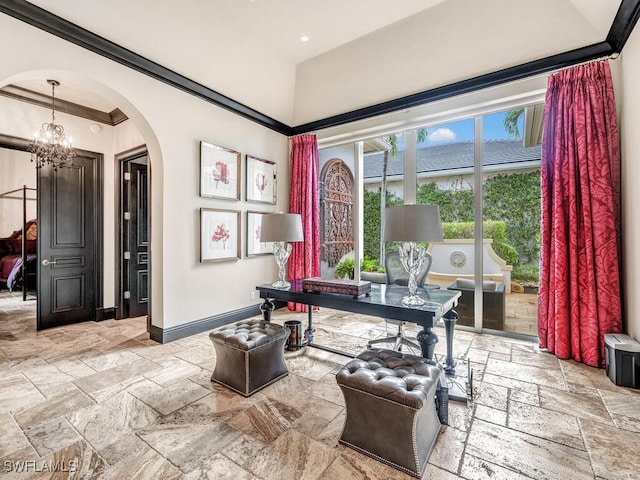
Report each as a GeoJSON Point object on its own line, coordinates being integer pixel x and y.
{"type": "Point", "coordinates": [580, 298]}
{"type": "Point", "coordinates": [304, 199]}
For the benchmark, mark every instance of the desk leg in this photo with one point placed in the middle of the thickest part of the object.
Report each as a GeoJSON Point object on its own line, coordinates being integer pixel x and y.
{"type": "Point", "coordinates": [308, 333]}
{"type": "Point", "coordinates": [450, 318]}
{"type": "Point", "coordinates": [427, 339]}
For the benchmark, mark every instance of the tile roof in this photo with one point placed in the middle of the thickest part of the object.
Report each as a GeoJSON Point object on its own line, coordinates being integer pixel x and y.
{"type": "Point", "coordinates": [453, 156]}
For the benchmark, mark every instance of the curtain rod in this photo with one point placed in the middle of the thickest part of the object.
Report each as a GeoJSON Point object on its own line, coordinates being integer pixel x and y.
{"type": "Point", "coordinates": [611, 56]}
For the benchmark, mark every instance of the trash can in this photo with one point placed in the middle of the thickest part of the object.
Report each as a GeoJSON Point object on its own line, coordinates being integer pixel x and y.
{"type": "Point", "coordinates": [622, 360]}
{"type": "Point", "coordinates": [295, 336]}
{"type": "Point", "coordinates": [266, 308]}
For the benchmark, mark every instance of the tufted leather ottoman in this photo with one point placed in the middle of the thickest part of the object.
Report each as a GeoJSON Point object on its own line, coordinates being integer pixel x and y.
{"type": "Point", "coordinates": [249, 355]}
{"type": "Point", "coordinates": [391, 407]}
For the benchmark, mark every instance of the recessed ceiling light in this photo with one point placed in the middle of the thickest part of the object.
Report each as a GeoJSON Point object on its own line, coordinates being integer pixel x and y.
{"type": "Point", "coordinates": [304, 38]}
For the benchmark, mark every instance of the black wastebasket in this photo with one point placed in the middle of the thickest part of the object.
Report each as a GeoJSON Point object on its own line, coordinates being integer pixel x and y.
{"type": "Point", "coordinates": [295, 336]}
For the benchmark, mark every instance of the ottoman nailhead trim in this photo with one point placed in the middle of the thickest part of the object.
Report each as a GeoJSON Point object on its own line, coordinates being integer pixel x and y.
{"type": "Point", "coordinates": [414, 440]}
{"type": "Point", "coordinates": [360, 378]}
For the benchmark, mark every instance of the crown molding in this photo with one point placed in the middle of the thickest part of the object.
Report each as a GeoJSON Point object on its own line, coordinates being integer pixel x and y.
{"type": "Point", "coordinates": [44, 100]}
{"type": "Point", "coordinates": [622, 26]}
{"type": "Point", "coordinates": [499, 77]}
{"type": "Point", "coordinates": [58, 26]}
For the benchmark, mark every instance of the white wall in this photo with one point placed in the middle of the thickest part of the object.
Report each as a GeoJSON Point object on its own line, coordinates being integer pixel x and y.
{"type": "Point", "coordinates": [343, 152]}
{"type": "Point", "coordinates": [171, 123]}
{"type": "Point", "coordinates": [629, 99]}
{"type": "Point", "coordinates": [422, 52]}
{"type": "Point", "coordinates": [16, 171]}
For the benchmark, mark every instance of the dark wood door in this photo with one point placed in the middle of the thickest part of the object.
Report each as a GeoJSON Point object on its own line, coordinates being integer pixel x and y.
{"type": "Point", "coordinates": [136, 239]}
{"type": "Point", "coordinates": [67, 243]}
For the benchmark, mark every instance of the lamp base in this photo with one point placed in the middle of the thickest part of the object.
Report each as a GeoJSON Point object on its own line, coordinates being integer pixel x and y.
{"type": "Point", "coordinates": [412, 300]}
{"type": "Point", "coordinates": [281, 284]}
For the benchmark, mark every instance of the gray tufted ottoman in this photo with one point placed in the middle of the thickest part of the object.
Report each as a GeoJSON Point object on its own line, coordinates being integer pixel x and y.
{"type": "Point", "coordinates": [249, 355]}
{"type": "Point", "coordinates": [391, 407]}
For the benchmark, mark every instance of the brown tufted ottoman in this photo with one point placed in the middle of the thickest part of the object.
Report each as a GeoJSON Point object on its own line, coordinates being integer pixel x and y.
{"type": "Point", "coordinates": [391, 407]}
{"type": "Point", "coordinates": [250, 355]}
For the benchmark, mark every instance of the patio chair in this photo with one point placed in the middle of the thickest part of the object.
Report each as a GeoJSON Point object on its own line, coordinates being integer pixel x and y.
{"type": "Point", "coordinates": [397, 275]}
{"type": "Point", "coordinates": [493, 303]}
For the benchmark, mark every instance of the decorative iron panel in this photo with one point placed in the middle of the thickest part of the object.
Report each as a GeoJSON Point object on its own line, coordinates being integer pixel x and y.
{"type": "Point", "coordinates": [337, 210]}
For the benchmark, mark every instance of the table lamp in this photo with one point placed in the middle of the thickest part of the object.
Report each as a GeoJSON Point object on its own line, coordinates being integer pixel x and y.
{"type": "Point", "coordinates": [281, 228]}
{"type": "Point", "coordinates": [411, 224]}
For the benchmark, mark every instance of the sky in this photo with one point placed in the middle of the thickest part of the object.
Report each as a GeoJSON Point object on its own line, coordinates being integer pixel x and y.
{"type": "Point", "coordinates": [493, 129]}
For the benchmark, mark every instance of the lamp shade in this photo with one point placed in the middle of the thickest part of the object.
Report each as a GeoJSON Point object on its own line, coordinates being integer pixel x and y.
{"type": "Point", "coordinates": [412, 223]}
{"type": "Point", "coordinates": [281, 227]}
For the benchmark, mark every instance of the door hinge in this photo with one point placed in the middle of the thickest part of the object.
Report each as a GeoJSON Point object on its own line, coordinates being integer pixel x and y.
{"type": "Point", "coordinates": [127, 176]}
{"type": "Point", "coordinates": [127, 255]}
{"type": "Point", "coordinates": [127, 295]}
{"type": "Point", "coordinates": [127, 215]}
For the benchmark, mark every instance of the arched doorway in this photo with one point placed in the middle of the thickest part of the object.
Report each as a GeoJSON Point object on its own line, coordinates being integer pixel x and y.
{"type": "Point", "coordinates": [99, 135]}
{"type": "Point", "coordinates": [336, 209]}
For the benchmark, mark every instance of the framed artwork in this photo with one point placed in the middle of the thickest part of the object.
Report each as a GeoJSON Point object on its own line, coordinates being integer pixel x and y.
{"type": "Point", "coordinates": [219, 172]}
{"type": "Point", "coordinates": [254, 245]}
{"type": "Point", "coordinates": [219, 235]}
{"type": "Point", "coordinates": [261, 180]}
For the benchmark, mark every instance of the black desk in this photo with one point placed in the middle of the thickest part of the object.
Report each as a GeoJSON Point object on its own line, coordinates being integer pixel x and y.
{"type": "Point", "coordinates": [384, 301]}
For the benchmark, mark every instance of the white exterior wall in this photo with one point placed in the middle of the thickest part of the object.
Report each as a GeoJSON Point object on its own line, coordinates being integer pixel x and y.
{"type": "Point", "coordinates": [446, 182]}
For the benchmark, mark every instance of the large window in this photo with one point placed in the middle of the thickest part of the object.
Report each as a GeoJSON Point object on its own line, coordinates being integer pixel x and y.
{"type": "Point", "coordinates": [511, 214]}
{"type": "Point", "coordinates": [483, 172]}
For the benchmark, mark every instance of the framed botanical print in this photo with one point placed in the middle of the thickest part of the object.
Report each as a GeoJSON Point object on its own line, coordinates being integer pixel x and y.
{"type": "Point", "coordinates": [219, 235]}
{"type": "Point", "coordinates": [219, 172]}
{"type": "Point", "coordinates": [254, 245]}
{"type": "Point", "coordinates": [261, 180]}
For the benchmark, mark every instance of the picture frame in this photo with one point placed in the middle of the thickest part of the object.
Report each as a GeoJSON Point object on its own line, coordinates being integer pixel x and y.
{"type": "Point", "coordinates": [260, 179]}
{"type": "Point", "coordinates": [254, 246]}
{"type": "Point", "coordinates": [219, 235]}
{"type": "Point", "coordinates": [219, 172]}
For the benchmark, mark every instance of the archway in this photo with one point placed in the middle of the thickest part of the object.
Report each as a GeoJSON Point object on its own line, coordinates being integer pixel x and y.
{"type": "Point", "coordinates": [26, 117]}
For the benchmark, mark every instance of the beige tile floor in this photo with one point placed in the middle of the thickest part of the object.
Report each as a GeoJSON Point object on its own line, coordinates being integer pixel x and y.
{"type": "Point", "coordinates": [103, 398]}
{"type": "Point", "coordinates": [521, 314]}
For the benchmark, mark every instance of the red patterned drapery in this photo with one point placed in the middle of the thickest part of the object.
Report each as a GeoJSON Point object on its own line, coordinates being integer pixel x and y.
{"type": "Point", "coordinates": [580, 298]}
{"type": "Point", "coordinates": [304, 199]}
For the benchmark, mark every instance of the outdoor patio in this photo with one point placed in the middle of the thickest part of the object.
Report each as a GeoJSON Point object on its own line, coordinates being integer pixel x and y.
{"type": "Point", "coordinates": [522, 313]}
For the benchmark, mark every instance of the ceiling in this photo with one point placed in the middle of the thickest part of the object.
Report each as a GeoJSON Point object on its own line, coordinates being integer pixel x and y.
{"type": "Point", "coordinates": [251, 29]}
{"type": "Point", "coordinates": [199, 38]}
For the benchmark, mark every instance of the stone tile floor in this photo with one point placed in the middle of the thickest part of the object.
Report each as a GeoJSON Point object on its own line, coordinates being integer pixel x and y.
{"type": "Point", "coordinates": [104, 398]}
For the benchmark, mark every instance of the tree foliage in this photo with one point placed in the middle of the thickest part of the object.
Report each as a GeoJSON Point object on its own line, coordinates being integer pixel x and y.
{"type": "Point", "coordinates": [510, 122]}
{"type": "Point", "coordinates": [515, 199]}
{"type": "Point", "coordinates": [456, 203]}
{"type": "Point", "coordinates": [511, 199]}
{"type": "Point", "coordinates": [344, 269]}
{"type": "Point", "coordinates": [372, 233]}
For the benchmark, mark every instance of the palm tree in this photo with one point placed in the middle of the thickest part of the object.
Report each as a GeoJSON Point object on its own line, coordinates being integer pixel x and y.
{"type": "Point", "coordinates": [392, 140]}
{"type": "Point", "coordinates": [510, 122]}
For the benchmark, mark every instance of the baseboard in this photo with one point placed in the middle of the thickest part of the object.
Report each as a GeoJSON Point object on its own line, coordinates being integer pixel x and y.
{"type": "Point", "coordinates": [105, 313]}
{"type": "Point", "coordinates": [166, 335]}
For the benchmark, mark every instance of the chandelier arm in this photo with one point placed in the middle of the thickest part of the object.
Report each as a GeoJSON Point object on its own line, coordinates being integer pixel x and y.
{"type": "Point", "coordinates": [51, 146]}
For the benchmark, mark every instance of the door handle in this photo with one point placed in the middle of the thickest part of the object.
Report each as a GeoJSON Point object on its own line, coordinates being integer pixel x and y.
{"type": "Point", "coordinates": [46, 262]}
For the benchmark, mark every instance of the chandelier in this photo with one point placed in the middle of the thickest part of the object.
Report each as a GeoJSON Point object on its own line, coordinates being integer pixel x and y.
{"type": "Point", "coordinates": [50, 145]}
